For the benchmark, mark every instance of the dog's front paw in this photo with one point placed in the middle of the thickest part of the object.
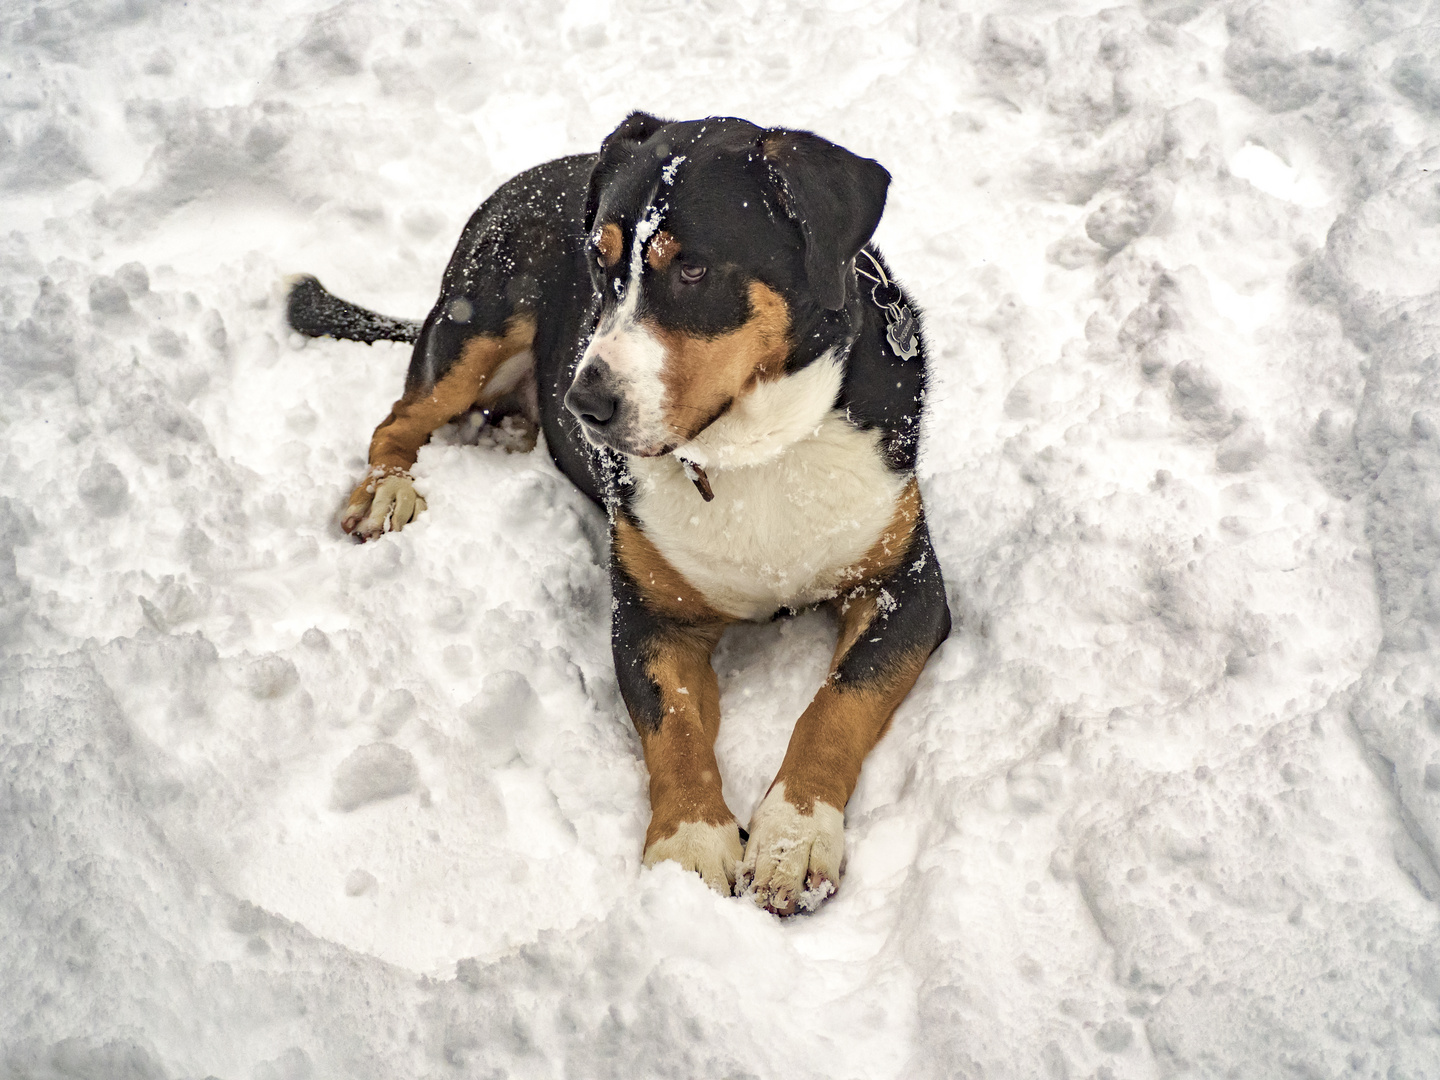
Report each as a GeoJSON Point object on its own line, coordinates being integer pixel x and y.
{"type": "Point", "coordinates": [712, 851]}
{"type": "Point", "coordinates": [380, 503]}
{"type": "Point", "coordinates": [792, 860]}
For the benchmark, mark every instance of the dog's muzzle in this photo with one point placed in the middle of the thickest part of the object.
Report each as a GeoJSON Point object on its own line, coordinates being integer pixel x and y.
{"type": "Point", "coordinates": [598, 400]}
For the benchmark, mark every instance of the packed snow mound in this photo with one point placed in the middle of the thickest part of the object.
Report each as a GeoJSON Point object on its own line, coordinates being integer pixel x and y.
{"type": "Point", "coordinates": [1167, 803]}
{"type": "Point", "coordinates": [372, 773]}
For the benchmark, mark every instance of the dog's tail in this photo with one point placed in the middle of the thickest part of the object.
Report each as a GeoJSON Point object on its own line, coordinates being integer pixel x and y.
{"type": "Point", "coordinates": [314, 312]}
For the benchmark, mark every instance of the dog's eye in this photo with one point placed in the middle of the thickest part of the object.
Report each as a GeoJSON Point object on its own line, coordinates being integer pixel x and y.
{"type": "Point", "coordinates": [691, 274]}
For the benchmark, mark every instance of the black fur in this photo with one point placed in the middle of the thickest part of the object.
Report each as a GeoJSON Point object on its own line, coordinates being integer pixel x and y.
{"type": "Point", "coordinates": [522, 254]}
{"type": "Point", "coordinates": [836, 198]}
{"type": "Point", "coordinates": [314, 312]}
{"type": "Point", "coordinates": [634, 631]}
{"type": "Point", "coordinates": [913, 617]}
{"type": "Point", "coordinates": [882, 391]}
{"type": "Point", "coordinates": [619, 146]}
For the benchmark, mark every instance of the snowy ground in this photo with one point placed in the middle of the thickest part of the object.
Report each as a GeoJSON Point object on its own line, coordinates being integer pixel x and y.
{"type": "Point", "coordinates": [1166, 804]}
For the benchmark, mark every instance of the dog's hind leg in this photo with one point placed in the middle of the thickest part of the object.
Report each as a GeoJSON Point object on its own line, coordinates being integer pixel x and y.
{"type": "Point", "coordinates": [460, 360]}
{"type": "Point", "coordinates": [466, 354]}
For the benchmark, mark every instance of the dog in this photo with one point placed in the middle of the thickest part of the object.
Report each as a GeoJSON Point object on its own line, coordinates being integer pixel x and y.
{"type": "Point", "coordinates": [717, 356]}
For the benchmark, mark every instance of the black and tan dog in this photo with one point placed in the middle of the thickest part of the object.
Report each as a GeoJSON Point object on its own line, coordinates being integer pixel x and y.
{"type": "Point", "coordinates": [695, 320]}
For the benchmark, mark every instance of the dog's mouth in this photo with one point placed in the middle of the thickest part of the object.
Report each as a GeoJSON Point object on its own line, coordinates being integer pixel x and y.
{"type": "Point", "coordinates": [694, 472]}
{"type": "Point", "coordinates": [621, 442]}
{"type": "Point", "coordinates": [620, 432]}
{"type": "Point", "coordinates": [612, 418]}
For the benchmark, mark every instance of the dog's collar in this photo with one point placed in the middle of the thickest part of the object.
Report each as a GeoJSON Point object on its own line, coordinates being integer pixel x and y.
{"type": "Point", "coordinates": [899, 319]}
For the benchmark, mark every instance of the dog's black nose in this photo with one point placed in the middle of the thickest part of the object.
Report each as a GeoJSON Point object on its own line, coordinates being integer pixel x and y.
{"type": "Point", "coordinates": [590, 396]}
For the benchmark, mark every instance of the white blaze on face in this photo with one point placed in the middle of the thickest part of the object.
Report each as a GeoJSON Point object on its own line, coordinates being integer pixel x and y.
{"type": "Point", "coordinates": [634, 357]}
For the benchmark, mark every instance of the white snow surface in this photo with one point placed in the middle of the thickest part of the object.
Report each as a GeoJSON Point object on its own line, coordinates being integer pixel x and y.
{"type": "Point", "coordinates": [1167, 803]}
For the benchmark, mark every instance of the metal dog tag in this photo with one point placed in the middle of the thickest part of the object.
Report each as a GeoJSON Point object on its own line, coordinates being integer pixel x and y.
{"type": "Point", "coordinates": [901, 332]}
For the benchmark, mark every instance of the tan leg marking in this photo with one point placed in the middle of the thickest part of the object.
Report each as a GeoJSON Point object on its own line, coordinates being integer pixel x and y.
{"type": "Point", "coordinates": [689, 821]}
{"type": "Point", "coordinates": [838, 728]}
{"type": "Point", "coordinates": [792, 860]}
{"type": "Point", "coordinates": [400, 435]}
{"type": "Point", "coordinates": [843, 723]}
{"type": "Point", "coordinates": [397, 441]}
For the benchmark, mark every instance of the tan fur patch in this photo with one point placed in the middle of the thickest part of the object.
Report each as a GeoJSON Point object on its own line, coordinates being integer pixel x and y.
{"type": "Point", "coordinates": [680, 751]}
{"type": "Point", "coordinates": [664, 589]}
{"type": "Point", "coordinates": [856, 615]}
{"type": "Point", "coordinates": [843, 723]}
{"type": "Point", "coordinates": [610, 243]}
{"type": "Point", "coordinates": [662, 250]}
{"type": "Point", "coordinates": [885, 554]}
{"type": "Point", "coordinates": [701, 376]}
{"type": "Point", "coordinates": [398, 439]}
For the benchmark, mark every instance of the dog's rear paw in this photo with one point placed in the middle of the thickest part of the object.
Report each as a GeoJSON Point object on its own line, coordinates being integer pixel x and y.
{"type": "Point", "coordinates": [380, 503]}
{"type": "Point", "coordinates": [712, 851]}
{"type": "Point", "coordinates": [792, 860]}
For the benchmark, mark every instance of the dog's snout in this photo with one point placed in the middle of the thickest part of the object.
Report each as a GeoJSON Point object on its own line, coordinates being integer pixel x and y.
{"type": "Point", "coordinates": [592, 397]}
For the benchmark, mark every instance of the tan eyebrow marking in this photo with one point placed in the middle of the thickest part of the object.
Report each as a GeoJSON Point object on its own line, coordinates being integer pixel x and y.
{"type": "Point", "coordinates": [662, 250]}
{"type": "Point", "coordinates": [610, 244]}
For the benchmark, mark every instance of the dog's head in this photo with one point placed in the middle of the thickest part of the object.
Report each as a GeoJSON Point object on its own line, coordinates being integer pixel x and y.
{"type": "Point", "coordinates": [715, 246]}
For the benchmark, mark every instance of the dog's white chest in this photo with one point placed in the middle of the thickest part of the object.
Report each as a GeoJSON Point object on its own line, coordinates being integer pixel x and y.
{"type": "Point", "coordinates": [779, 533]}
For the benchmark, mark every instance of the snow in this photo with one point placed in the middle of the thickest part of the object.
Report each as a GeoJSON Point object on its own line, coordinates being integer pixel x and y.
{"type": "Point", "coordinates": [1166, 804]}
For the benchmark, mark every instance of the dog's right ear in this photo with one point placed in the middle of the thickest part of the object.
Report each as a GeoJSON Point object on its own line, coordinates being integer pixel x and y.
{"type": "Point", "coordinates": [617, 149]}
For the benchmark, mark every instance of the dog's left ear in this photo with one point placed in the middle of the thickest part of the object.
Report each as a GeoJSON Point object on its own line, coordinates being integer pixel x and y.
{"type": "Point", "coordinates": [836, 198]}
{"type": "Point", "coordinates": [617, 148]}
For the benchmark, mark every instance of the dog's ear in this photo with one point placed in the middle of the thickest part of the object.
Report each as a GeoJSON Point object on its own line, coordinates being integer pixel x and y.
{"type": "Point", "coordinates": [617, 148]}
{"type": "Point", "coordinates": [836, 198]}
